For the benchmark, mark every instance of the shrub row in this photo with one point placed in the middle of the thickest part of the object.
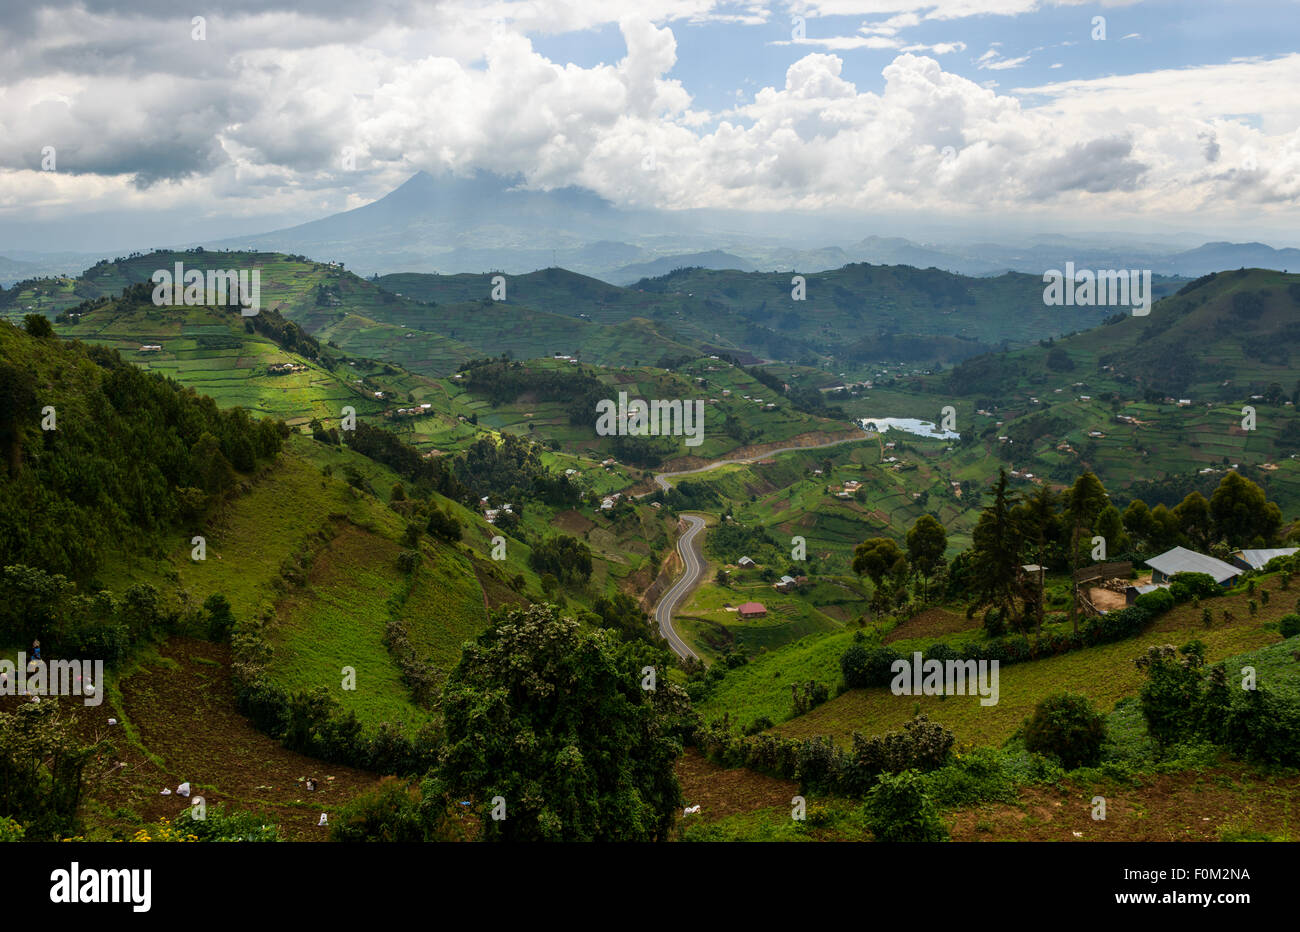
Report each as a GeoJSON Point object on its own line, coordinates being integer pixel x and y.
{"type": "Point", "coordinates": [817, 764]}
{"type": "Point", "coordinates": [864, 666]}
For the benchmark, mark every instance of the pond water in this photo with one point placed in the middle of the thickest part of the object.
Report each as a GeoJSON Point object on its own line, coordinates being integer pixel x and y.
{"type": "Point", "coordinates": [909, 424]}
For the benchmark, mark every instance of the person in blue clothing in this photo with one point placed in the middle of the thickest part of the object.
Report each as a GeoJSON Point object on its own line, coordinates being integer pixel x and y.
{"type": "Point", "coordinates": [36, 650]}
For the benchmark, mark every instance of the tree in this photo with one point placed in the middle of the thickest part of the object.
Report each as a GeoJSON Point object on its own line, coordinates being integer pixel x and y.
{"type": "Point", "coordinates": [550, 720]}
{"type": "Point", "coordinates": [1110, 525]}
{"type": "Point", "coordinates": [995, 556]}
{"type": "Point", "coordinates": [1193, 514]}
{"type": "Point", "coordinates": [1139, 524]}
{"type": "Point", "coordinates": [38, 325]}
{"type": "Point", "coordinates": [1038, 525]}
{"type": "Point", "coordinates": [443, 524]}
{"type": "Point", "coordinates": [926, 543]}
{"type": "Point", "coordinates": [1085, 500]}
{"type": "Point", "coordinates": [43, 764]}
{"type": "Point", "coordinates": [877, 558]}
{"type": "Point", "coordinates": [1241, 513]}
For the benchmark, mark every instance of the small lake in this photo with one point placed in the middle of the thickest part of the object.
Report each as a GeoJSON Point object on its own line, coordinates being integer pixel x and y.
{"type": "Point", "coordinates": [909, 424]}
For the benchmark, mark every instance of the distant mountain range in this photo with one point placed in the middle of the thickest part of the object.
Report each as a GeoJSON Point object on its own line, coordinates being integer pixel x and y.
{"type": "Point", "coordinates": [489, 223]}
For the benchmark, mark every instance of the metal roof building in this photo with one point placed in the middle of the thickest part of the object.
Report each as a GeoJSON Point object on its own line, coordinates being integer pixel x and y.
{"type": "Point", "coordinates": [1258, 559]}
{"type": "Point", "coordinates": [1182, 560]}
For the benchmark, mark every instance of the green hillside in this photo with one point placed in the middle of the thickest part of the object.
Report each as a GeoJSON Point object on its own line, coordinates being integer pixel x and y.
{"type": "Point", "coordinates": [850, 317]}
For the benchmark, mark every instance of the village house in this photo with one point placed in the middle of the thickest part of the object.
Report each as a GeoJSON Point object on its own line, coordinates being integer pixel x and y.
{"type": "Point", "coordinates": [752, 610]}
{"type": "Point", "coordinates": [1182, 560]}
{"type": "Point", "coordinates": [1258, 559]}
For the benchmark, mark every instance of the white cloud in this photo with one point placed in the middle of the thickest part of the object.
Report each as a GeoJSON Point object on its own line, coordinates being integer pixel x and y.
{"type": "Point", "coordinates": [259, 125]}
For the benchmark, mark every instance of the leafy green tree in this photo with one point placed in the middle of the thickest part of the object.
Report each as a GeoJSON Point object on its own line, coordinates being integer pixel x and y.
{"type": "Point", "coordinates": [38, 325]}
{"type": "Point", "coordinates": [43, 765]}
{"type": "Point", "coordinates": [926, 543]}
{"type": "Point", "coordinates": [1193, 514]}
{"type": "Point", "coordinates": [1039, 526]}
{"type": "Point", "coordinates": [220, 618]}
{"type": "Point", "coordinates": [1165, 532]}
{"type": "Point", "coordinates": [995, 556]}
{"type": "Point", "coordinates": [443, 524]}
{"type": "Point", "coordinates": [552, 721]}
{"type": "Point", "coordinates": [1241, 512]}
{"type": "Point", "coordinates": [1110, 525]}
{"type": "Point", "coordinates": [1084, 501]}
{"type": "Point", "coordinates": [877, 558]}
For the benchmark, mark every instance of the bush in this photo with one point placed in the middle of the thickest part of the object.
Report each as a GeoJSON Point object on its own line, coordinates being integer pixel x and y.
{"type": "Point", "coordinates": [220, 618]}
{"type": "Point", "coordinates": [10, 830]}
{"type": "Point", "coordinates": [1157, 602]}
{"type": "Point", "coordinates": [977, 777]}
{"type": "Point", "coordinates": [1198, 584]}
{"type": "Point", "coordinates": [391, 812]}
{"type": "Point", "coordinates": [1066, 727]}
{"type": "Point", "coordinates": [408, 560]}
{"type": "Point", "coordinates": [899, 809]}
{"type": "Point", "coordinates": [1265, 727]}
{"type": "Point", "coordinates": [879, 666]}
{"type": "Point", "coordinates": [1172, 696]}
{"type": "Point", "coordinates": [922, 745]}
{"type": "Point", "coordinates": [444, 525]}
{"type": "Point", "coordinates": [222, 824]}
{"type": "Point", "coordinates": [853, 666]}
{"type": "Point", "coordinates": [1289, 626]}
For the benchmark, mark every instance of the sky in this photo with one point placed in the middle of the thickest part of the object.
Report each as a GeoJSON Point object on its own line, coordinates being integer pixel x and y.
{"type": "Point", "coordinates": [138, 121]}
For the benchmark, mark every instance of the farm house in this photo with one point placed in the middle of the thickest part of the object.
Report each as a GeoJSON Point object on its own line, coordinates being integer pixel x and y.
{"type": "Point", "coordinates": [1182, 560]}
{"type": "Point", "coordinates": [1258, 559]}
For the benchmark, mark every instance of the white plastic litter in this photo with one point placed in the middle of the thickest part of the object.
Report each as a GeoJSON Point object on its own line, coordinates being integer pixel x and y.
{"type": "Point", "coordinates": [183, 789]}
{"type": "Point", "coordinates": [324, 820]}
{"type": "Point", "coordinates": [165, 792]}
{"type": "Point", "coordinates": [112, 721]}
{"type": "Point", "coordinates": [691, 809]}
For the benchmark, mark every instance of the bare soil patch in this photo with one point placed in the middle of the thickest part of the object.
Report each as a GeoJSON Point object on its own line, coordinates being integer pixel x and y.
{"type": "Point", "coordinates": [933, 622]}
{"type": "Point", "coordinates": [183, 712]}
{"type": "Point", "coordinates": [573, 522]}
{"type": "Point", "coordinates": [720, 792]}
{"type": "Point", "coordinates": [1186, 806]}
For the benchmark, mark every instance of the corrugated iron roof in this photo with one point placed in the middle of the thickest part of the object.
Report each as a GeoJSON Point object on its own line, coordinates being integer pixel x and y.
{"type": "Point", "coordinates": [1258, 559]}
{"type": "Point", "coordinates": [1182, 560]}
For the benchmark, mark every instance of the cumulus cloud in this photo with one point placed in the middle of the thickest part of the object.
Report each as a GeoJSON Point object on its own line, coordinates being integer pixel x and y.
{"type": "Point", "coordinates": [261, 115]}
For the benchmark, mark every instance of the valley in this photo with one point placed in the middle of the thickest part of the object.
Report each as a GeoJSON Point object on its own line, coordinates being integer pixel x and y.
{"type": "Point", "coordinates": [477, 484]}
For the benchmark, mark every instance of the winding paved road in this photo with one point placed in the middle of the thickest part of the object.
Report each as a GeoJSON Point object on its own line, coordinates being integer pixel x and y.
{"type": "Point", "coordinates": [689, 545]}
{"type": "Point", "coordinates": [693, 564]}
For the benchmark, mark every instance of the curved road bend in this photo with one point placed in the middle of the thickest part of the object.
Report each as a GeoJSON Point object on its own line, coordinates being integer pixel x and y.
{"type": "Point", "coordinates": [661, 479]}
{"type": "Point", "coordinates": [688, 547]}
